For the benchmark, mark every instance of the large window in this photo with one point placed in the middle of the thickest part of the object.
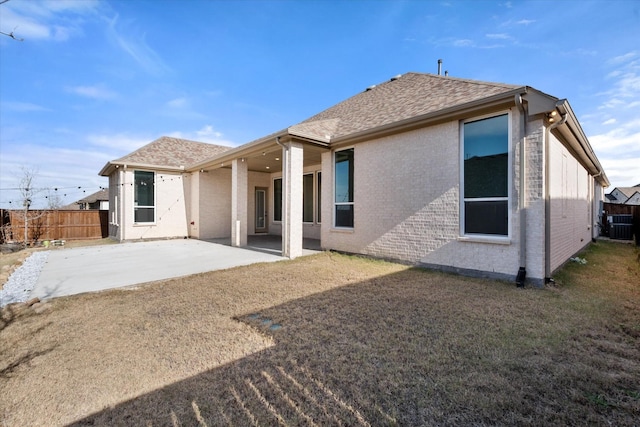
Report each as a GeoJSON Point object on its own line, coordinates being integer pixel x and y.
{"type": "Point", "coordinates": [308, 198]}
{"type": "Point", "coordinates": [277, 199]}
{"type": "Point", "coordinates": [343, 202]}
{"type": "Point", "coordinates": [144, 207]}
{"type": "Point", "coordinates": [485, 149]}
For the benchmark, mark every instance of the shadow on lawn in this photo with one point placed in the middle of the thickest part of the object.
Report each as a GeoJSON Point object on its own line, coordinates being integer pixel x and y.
{"type": "Point", "coordinates": [10, 362]}
{"type": "Point", "coordinates": [394, 350]}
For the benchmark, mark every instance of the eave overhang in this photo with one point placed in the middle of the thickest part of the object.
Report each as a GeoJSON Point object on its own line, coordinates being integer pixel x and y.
{"type": "Point", "coordinates": [571, 132]}
{"type": "Point", "coordinates": [110, 167]}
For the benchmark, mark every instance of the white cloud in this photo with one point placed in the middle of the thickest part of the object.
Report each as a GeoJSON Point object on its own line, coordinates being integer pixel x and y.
{"type": "Point", "coordinates": [500, 36]}
{"type": "Point", "coordinates": [22, 107]}
{"type": "Point", "coordinates": [56, 168]}
{"type": "Point", "coordinates": [205, 134]}
{"type": "Point", "coordinates": [609, 122]}
{"type": "Point", "coordinates": [136, 47]}
{"type": "Point", "coordinates": [463, 43]}
{"type": "Point", "coordinates": [525, 21]}
{"type": "Point", "coordinates": [55, 20]}
{"type": "Point", "coordinates": [207, 131]}
{"type": "Point", "coordinates": [178, 103]}
{"type": "Point", "coordinates": [94, 92]}
{"type": "Point", "coordinates": [623, 58]}
{"type": "Point", "coordinates": [117, 145]}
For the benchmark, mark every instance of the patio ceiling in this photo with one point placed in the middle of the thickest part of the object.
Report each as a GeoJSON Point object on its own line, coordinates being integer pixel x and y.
{"type": "Point", "coordinates": [270, 159]}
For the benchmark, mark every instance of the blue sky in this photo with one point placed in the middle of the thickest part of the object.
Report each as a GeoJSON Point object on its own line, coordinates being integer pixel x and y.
{"type": "Point", "coordinates": [94, 80]}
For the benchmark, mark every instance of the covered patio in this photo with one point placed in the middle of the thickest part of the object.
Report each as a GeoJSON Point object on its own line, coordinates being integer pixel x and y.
{"type": "Point", "coordinates": [284, 153]}
{"type": "Point", "coordinates": [272, 244]}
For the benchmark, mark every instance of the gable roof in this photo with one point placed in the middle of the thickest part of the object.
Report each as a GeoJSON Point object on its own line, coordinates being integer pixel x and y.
{"type": "Point", "coordinates": [625, 194]}
{"type": "Point", "coordinates": [168, 153]}
{"type": "Point", "coordinates": [401, 98]}
{"type": "Point", "coordinates": [102, 194]}
{"type": "Point", "coordinates": [627, 191]}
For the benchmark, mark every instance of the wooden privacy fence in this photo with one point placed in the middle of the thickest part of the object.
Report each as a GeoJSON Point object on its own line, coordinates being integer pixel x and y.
{"type": "Point", "coordinates": [54, 225]}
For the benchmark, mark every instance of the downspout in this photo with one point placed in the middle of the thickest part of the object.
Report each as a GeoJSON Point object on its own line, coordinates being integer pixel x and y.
{"type": "Point", "coordinates": [547, 199]}
{"type": "Point", "coordinates": [284, 219]}
{"type": "Point", "coordinates": [522, 271]}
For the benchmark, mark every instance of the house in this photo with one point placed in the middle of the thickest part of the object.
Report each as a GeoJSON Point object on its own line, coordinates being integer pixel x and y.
{"type": "Point", "coordinates": [98, 200]}
{"type": "Point", "coordinates": [625, 195]}
{"type": "Point", "coordinates": [467, 176]}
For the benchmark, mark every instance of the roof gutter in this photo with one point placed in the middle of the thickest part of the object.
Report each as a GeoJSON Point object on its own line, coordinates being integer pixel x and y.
{"type": "Point", "coordinates": [522, 271]}
{"type": "Point", "coordinates": [580, 144]}
{"type": "Point", "coordinates": [109, 167]}
{"type": "Point", "coordinates": [547, 198]}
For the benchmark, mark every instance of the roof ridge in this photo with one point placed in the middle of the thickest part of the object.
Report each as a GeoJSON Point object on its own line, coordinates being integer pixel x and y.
{"type": "Point", "coordinates": [168, 139]}
{"type": "Point", "coordinates": [464, 79]}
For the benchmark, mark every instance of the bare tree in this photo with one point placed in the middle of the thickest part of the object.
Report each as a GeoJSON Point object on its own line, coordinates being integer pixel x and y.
{"type": "Point", "coordinates": [11, 33]}
{"type": "Point", "coordinates": [27, 194]}
{"type": "Point", "coordinates": [54, 201]}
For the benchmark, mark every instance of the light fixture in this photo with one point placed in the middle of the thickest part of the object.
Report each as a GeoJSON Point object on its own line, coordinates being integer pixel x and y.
{"type": "Point", "coordinates": [551, 116]}
{"type": "Point", "coordinates": [277, 158]}
{"type": "Point", "coordinates": [267, 167]}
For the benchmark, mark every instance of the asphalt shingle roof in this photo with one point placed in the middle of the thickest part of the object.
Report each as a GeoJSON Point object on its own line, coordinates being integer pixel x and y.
{"type": "Point", "coordinates": [629, 191]}
{"type": "Point", "coordinates": [172, 152]}
{"type": "Point", "coordinates": [405, 97]}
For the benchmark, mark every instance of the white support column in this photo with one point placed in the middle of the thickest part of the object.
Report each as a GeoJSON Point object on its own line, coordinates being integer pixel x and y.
{"type": "Point", "coordinates": [292, 200]}
{"type": "Point", "coordinates": [239, 192]}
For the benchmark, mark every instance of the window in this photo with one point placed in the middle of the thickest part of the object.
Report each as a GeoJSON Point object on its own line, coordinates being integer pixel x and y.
{"type": "Point", "coordinates": [144, 197]}
{"type": "Point", "coordinates": [277, 199]}
{"type": "Point", "coordinates": [307, 198]}
{"type": "Point", "coordinates": [343, 201]}
{"type": "Point", "coordinates": [318, 196]}
{"type": "Point", "coordinates": [486, 176]}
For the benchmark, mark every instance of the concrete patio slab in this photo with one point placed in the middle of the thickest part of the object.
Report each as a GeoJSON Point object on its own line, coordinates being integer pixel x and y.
{"type": "Point", "coordinates": [95, 268]}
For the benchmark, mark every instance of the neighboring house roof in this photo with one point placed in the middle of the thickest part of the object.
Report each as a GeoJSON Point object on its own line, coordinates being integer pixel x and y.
{"type": "Point", "coordinates": [626, 192]}
{"type": "Point", "coordinates": [167, 152]}
{"type": "Point", "coordinates": [401, 98]}
{"type": "Point", "coordinates": [101, 195]}
{"type": "Point", "coordinates": [634, 199]}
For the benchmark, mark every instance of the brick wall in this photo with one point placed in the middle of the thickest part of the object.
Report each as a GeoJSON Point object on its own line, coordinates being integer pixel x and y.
{"type": "Point", "coordinates": [407, 203]}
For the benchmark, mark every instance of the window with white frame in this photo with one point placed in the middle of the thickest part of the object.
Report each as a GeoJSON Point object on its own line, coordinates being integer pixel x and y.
{"type": "Point", "coordinates": [144, 208]}
{"type": "Point", "coordinates": [343, 201]}
{"type": "Point", "coordinates": [485, 173]}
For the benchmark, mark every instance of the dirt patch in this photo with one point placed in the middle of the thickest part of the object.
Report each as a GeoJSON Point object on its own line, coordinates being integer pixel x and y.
{"type": "Point", "coordinates": [355, 342]}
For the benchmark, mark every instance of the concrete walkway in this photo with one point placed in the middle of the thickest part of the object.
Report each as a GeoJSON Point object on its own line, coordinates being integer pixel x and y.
{"type": "Point", "coordinates": [95, 268]}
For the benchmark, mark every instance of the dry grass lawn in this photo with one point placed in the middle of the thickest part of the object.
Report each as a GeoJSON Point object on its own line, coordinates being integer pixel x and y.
{"type": "Point", "coordinates": [333, 340]}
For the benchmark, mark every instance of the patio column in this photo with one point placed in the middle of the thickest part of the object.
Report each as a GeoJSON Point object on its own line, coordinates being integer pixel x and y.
{"type": "Point", "coordinates": [292, 168]}
{"type": "Point", "coordinates": [239, 189]}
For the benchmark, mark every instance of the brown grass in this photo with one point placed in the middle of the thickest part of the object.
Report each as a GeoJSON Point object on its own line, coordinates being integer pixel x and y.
{"type": "Point", "coordinates": [332, 339]}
